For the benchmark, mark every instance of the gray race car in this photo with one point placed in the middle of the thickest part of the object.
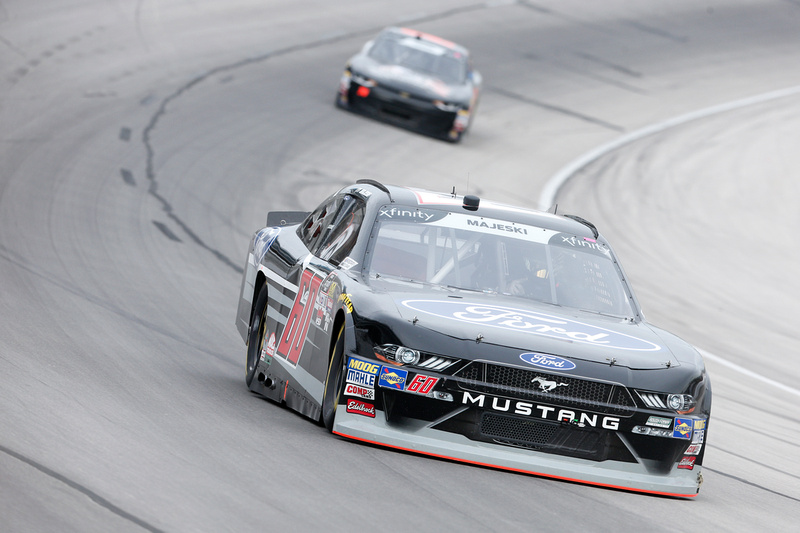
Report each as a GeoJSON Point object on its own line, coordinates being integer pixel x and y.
{"type": "Point", "coordinates": [415, 80]}
{"type": "Point", "coordinates": [469, 330]}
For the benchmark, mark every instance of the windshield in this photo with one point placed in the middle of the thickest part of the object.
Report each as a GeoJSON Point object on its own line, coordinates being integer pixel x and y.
{"type": "Point", "coordinates": [420, 56]}
{"type": "Point", "coordinates": [496, 256]}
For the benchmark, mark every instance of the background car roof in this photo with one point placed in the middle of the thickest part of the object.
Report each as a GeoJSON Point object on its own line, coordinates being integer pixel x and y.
{"type": "Point", "coordinates": [409, 32]}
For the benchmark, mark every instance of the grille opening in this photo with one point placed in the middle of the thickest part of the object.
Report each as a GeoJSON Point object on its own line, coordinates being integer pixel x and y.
{"type": "Point", "coordinates": [597, 396]}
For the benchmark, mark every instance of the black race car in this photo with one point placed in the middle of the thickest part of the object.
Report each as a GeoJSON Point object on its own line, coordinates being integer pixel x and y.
{"type": "Point", "coordinates": [469, 330]}
{"type": "Point", "coordinates": [415, 80]}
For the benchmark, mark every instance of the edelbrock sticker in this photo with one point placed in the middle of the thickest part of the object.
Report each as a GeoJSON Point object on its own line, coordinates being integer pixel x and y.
{"type": "Point", "coordinates": [531, 322]}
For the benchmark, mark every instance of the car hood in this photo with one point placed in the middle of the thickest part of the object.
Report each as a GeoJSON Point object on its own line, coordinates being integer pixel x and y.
{"type": "Point", "coordinates": [404, 79]}
{"type": "Point", "coordinates": [534, 328]}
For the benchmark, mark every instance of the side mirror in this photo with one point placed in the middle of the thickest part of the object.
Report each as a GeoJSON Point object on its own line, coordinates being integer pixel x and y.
{"type": "Point", "coordinates": [477, 79]}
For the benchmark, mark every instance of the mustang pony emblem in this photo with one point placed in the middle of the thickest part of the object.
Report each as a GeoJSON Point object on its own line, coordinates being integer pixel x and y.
{"type": "Point", "coordinates": [546, 385]}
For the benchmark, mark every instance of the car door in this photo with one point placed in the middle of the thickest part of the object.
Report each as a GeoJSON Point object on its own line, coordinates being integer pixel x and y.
{"type": "Point", "coordinates": [302, 306]}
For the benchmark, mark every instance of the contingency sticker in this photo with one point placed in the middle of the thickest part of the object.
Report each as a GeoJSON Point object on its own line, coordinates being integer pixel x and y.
{"type": "Point", "coordinates": [352, 389]}
{"type": "Point", "coordinates": [269, 350]}
{"type": "Point", "coordinates": [693, 449]}
{"type": "Point", "coordinates": [361, 372]}
{"type": "Point", "coordinates": [659, 422]}
{"type": "Point", "coordinates": [393, 378]}
{"type": "Point", "coordinates": [682, 429]}
{"type": "Point", "coordinates": [360, 408]}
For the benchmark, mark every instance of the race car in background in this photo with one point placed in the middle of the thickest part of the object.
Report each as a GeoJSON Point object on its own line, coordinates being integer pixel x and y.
{"type": "Point", "coordinates": [414, 80]}
{"type": "Point", "coordinates": [469, 330]}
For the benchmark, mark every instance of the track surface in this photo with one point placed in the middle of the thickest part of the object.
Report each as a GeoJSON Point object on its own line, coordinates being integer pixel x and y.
{"type": "Point", "coordinates": [142, 144]}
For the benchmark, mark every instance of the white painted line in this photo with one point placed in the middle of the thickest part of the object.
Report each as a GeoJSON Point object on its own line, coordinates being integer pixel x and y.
{"type": "Point", "coordinates": [743, 370]}
{"type": "Point", "coordinates": [548, 196]}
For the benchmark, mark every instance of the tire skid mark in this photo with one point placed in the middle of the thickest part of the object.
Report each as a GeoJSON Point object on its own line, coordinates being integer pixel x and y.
{"type": "Point", "coordinates": [750, 483]}
{"type": "Point", "coordinates": [557, 109]}
{"type": "Point", "coordinates": [587, 74]}
{"type": "Point", "coordinates": [96, 498]}
{"type": "Point", "coordinates": [655, 31]}
{"type": "Point", "coordinates": [610, 64]}
{"type": "Point", "coordinates": [49, 278]}
{"type": "Point", "coordinates": [718, 420]}
{"type": "Point", "coordinates": [750, 460]}
{"type": "Point", "coordinates": [150, 172]}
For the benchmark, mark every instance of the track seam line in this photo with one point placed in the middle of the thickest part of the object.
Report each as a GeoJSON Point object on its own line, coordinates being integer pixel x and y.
{"type": "Point", "coordinates": [95, 497]}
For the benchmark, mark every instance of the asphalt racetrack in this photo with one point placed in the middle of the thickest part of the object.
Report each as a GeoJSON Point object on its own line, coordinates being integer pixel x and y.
{"type": "Point", "coordinates": [142, 143]}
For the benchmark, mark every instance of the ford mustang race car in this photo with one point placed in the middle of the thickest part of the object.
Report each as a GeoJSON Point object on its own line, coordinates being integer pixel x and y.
{"type": "Point", "coordinates": [415, 80]}
{"type": "Point", "coordinates": [469, 330]}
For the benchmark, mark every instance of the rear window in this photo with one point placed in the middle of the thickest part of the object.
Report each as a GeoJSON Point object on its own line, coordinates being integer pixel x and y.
{"type": "Point", "coordinates": [420, 56]}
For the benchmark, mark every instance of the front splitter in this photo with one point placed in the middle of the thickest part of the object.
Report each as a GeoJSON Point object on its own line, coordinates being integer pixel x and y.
{"type": "Point", "coordinates": [445, 445]}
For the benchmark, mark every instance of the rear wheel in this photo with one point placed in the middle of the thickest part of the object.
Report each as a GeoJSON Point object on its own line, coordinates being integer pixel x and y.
{"type": "Point", "coordinates": [255, 343]}
{"type": "Point", "coordinates": [334, 381]}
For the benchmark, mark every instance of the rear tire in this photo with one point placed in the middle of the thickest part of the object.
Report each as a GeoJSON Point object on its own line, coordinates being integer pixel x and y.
{"type": "Point", "coordinates": [255, 343]}
{"type": "Point", "coordinates": [334, 381]}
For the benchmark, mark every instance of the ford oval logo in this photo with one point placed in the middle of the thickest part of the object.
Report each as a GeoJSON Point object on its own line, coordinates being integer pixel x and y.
{"type": "Point", "coordinates": [552, 362]}
{"type": "Point", "coordinates": [529, 321]}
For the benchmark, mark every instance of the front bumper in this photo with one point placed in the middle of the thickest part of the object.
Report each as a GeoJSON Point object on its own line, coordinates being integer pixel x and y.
{"type": "Point", "coordinates": [418, 437]}
{"type": "Point", "coordinates": [480, 414]}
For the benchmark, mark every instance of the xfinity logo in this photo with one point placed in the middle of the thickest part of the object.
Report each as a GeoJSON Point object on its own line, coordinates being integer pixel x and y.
{"type": "Point", "coordinates": [547, 361]}
{"type": "Point", "coordinates": [395, 212]}
{"type": "Point", "coordinates": [584, 243]}
{"type": "Point", "coordinates": [545, 412]}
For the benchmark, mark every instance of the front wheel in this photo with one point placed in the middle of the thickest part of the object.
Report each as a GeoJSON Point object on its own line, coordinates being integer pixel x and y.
{"type": "Point", "coordinates": [333, 383]}
{"type": "Point", "coordinates": [255, 343]}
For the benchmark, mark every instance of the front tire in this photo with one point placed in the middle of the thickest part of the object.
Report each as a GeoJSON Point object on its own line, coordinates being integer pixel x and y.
{"type": "Point", "coordinates": [334, 381]}
{"type": "Point", "coordinates": [255, 343]}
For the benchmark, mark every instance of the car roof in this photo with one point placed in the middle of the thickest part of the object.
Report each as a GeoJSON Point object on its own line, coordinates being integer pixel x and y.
{"type": "Point", "coordinates": [408, 32]}
{"type": "Point", "coordinates": [422, 198]}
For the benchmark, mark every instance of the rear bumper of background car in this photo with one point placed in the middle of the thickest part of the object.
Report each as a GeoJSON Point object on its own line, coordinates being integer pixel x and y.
{"type": "Point", "coordinates": [419, 437]}
{"type": "Point", "coordinates": [404, 110]}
